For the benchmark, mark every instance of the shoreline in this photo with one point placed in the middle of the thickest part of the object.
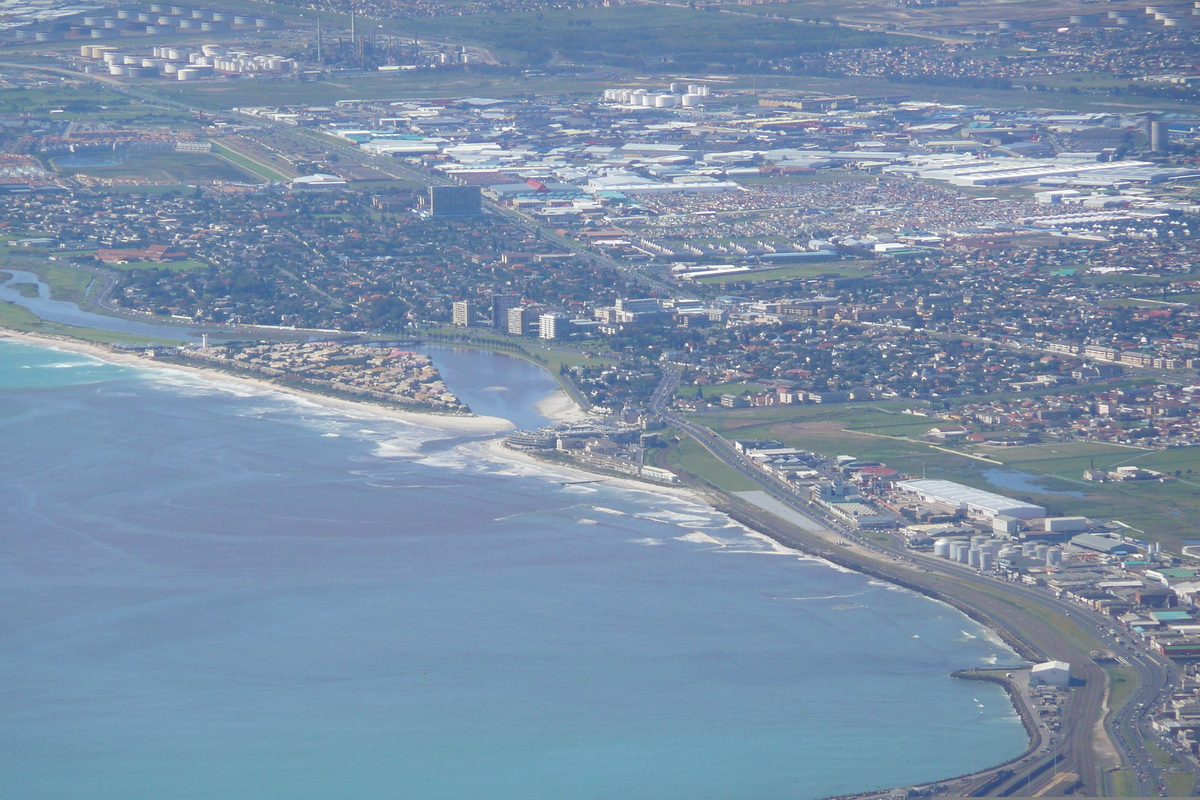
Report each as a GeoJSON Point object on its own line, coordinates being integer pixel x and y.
{"type": "Point", "coordinates": [459, 424]}
{"type": "Point", "coordinates": [559, 407]}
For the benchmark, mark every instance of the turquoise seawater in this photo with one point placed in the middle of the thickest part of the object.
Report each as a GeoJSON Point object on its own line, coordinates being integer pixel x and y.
{"type": "Point", "coordinates": [209, 591]}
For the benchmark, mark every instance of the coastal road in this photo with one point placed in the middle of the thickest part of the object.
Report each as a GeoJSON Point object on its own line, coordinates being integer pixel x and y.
{"type": "Point", "coordinates": [1038, 624]}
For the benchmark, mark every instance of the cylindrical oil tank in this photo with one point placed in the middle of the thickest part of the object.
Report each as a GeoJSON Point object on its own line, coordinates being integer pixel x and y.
{"type": "Point", "coordinates": [1054, 557]}
{"type": "Point", "coordinates": [941, 548]}
{"type": "Point", "coordinates": [133, 61]}
{"type": "Point", "coordinates": [125, 13]}
{"type": "Point", "coordinates": [120, 70]}
{"type": "Point", "coordinates": [1040, 551]}
{"type": "Point", "coordinates": [188, 74]}
{"type": "Point", "coordinates": [93, 22]}
{"type": "Point", "coordinates": [222, 16]}
{"type": "Point", "coordinates": [1029, 549]}
{"type": "Point", "coordinates": [973, 557]}
{"type": "Point", "coordinates": [240, 20]}
{"type": "Point", "coordinates": [958, 551]}
{"type": "Point", "coordinates": [987, 562]}
{"type": "Point", "coordinates": [170, 69]}
{"type": "Point", "coordinates": [664, 101]}
{"type": "Point", "coordinates": [690, 100]}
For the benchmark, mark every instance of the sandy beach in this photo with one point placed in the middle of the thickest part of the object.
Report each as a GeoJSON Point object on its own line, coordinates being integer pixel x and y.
{"type": "Point", "coordinates": [457, 424]}
{"type": "Point", "coordinates": [561, 408]}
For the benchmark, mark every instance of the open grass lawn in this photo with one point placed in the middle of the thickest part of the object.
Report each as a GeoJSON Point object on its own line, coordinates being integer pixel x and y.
{"type": "Point", "coordinates": [651, 35]}
{"type": "Point", "coordinates": [1167, 512]}
{"type": "Point", "coordinates": [689, 456]}
{"type": "Point", "coordinates": [718, 389]}
{"type": "Point", "coordinates": [164, 166]}
{"type": "Point", "coordinates": [185, 265]}
{"type": "Point", "coordinates": [832, 268]}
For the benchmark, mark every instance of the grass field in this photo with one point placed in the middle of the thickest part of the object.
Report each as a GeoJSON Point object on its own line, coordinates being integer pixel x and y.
{"type": "Point", "coordinates": [164, 166]}
{"type": "Point", "coordinates": [832, 268]}
{"type": "Point", "coordinates": [688, 455]}
{"type": "Point", "coordinates": [718, 389]}
{"type": "Point", "coordinates": [646, 36]}
{"type": "Point", "coordinates": [171, 266]}
{"type": "Point", "coordinates": [251, 166]}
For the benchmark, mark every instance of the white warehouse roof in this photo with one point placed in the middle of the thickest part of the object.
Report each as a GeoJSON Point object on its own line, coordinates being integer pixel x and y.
{"type": "Point", "coordinates": [976, 501]}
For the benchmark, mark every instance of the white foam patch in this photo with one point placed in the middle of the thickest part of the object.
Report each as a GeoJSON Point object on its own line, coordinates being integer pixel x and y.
{"type": "Point", "coordinates": [824, 596]}
{"type": "Point", "coordinates": [604, 510]}
{"type": "Point", "coordinates": [331, 435]}
{"type": "Point", "coordinates": [697, 537]}
{"type": "Point", "coordinates": [649, 541]}
{"type": "Point", "coordinates": [583, 521]}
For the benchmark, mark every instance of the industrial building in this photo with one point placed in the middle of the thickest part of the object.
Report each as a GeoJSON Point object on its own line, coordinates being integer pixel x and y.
{"type": "Point", "coordinates": [455, 201]}
{"type": "Point", "coordinates": [972, 501]}
{"type": "Point", "coordinates": [1051, 673]}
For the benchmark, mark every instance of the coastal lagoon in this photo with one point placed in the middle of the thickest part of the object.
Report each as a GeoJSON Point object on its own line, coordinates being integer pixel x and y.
{"type": "Point", "coordinates": [217, 591]}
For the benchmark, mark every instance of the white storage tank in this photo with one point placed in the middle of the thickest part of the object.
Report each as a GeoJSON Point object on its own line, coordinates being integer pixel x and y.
{"type": "Point", "coordinates": [189, 74]}
{"type": "Point", "coordinates": [958, 551]}
{"type": "Point", "coordinates": [1054, 557]}
{"type": "Point", "coordinates": [120, 70]}
{"type": "Point", "coordinates": [147, 17]}
{"type": "Point", "coordinates": [131, 61]}
{"type": "Point", "coordinates": [213, 50]}
{"type": "Point", "coordinates": [1029, 549]}
{"type": "Point", "coordinates": [690, 100]}
{"type": "Point", "coordinates": [987, 562]}
{"type": "Point", "coordinates": [172, 54]}
{"type": "Point", "coordinates": [973, 557]}
{"type": "Point", "coordinates": [170, 69]}
{"type": "Point", "coordinates": [664, 101]}
{"type": "Point", "coordinates": [125, 13]}
{"type": "Point", "coordinates": [85, 51]}
{"type": "Point", "coordinates": [941, 548]}
{"type": "Point", "coordinates": [1039, 552]}
{"type": "Point", "coordinates": [113, 58]}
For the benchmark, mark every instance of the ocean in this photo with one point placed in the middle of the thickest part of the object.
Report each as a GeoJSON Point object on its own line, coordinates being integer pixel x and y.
{"type": "Point", "coordinates": [211, 591]}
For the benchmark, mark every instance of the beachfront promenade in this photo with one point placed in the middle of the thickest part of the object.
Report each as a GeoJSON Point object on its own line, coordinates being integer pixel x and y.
{"type": "Point", "coordinates": [1090, 743]}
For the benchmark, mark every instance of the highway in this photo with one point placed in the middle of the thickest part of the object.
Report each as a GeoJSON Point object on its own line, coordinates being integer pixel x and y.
{"type": "Point", "coordinates": [1032, 620]}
